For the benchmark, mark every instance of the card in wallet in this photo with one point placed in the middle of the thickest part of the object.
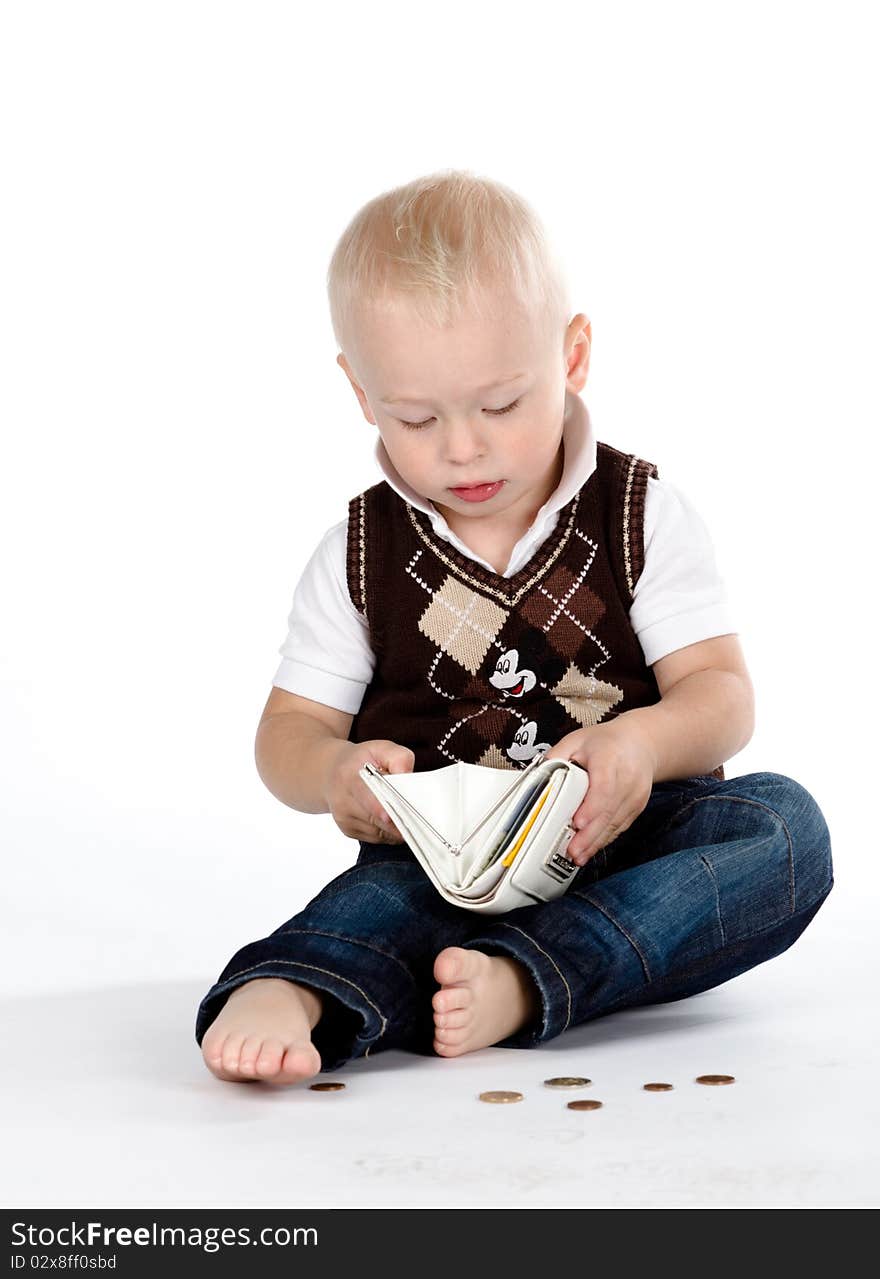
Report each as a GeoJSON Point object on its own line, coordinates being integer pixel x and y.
{"type": "Point", "coordinates": [488, 841]}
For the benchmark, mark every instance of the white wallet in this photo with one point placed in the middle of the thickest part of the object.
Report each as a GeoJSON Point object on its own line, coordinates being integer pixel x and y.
{"type": "Point", "coordinates": [488, 842]}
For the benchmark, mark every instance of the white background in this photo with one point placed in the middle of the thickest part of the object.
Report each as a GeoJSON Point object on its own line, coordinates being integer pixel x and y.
{"type": "Point", "coordinates": [177, 434]}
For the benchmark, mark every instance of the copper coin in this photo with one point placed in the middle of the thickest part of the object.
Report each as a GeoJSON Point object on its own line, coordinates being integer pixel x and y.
{"type": "Point", "coordinates": [715, 1079]}
{"type": "Point", "coordinates": [567, 1081]}
{"type": "Point", "coordinates": [657, 1087]}
{"type": "Point", "coordinates": [584, 1104]}
{"type": "Point", "coordinates": [500, 1095]}
{"type": "Point", "coordinates": [328, 1087]}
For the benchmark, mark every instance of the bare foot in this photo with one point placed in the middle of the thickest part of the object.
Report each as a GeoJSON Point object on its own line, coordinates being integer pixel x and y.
{"type": "Point", "coordinates": [262, 1032]}
{"type": "Point", "coordinates": [483, 999]}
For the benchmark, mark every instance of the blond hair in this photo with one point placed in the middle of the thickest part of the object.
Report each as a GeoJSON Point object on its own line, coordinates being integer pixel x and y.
{"type": "Point", "coordinates": [442, 241]}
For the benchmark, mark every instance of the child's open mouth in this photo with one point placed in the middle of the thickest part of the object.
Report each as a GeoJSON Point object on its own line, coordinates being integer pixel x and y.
{"type": "Point", "coordinates": [479, 492]}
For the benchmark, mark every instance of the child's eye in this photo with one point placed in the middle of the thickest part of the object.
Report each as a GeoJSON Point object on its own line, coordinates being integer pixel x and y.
{"type": "Point", "coordinates": [415, 426]}
{"type": "Point", "coordinates": [507, 409]}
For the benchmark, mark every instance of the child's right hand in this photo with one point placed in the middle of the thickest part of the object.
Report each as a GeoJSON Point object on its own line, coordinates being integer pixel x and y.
{"type": "Point", "coordinates": [352, 804]}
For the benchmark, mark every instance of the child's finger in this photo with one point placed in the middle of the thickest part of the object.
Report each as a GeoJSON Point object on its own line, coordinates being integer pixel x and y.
{"type": "Point", "coordinates": [383, 823]}
{"type": "Point", "coordinates": [581, 816]}
{"type": "Point", "coordinates": [603, 830]}
{"type": "Point", "coordinates": [381, 818]}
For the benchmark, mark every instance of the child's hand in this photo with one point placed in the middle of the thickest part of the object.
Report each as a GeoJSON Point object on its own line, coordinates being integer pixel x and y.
{"type": "Point", "coordinates": [621, 766]}
{"type": "Point", "coordinates": [352, 804]}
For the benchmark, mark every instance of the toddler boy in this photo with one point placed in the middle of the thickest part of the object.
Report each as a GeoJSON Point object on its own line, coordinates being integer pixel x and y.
{"type": "Point", "coordinates": [513, 585]}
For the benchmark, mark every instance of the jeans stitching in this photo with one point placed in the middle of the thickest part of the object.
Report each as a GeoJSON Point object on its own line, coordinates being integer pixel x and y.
{"type": "Point", "coordinates": [299, 963]}
{"type": "Point", "coordinates": [740, 799]}
{"type": "Point", "coordinates": [602, 911]}
{"type": "Point", "coordinates": [550, 959]}
{"type": "Point", "coordinates": [352, 941]}
{"type": "Point", "coordinates": [740, 942]}
{"type": "Point", "coordinates": [714, 879]}
{"type": "Point", "coordinates": [328, 891]}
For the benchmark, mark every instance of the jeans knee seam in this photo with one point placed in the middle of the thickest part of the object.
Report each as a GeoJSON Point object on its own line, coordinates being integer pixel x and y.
{"type": "Point", "coordinates": [617, 924]}
{"type": "Point", "coordinates": [756, 803]}
{"type": "Point", "coordinates": [740, 942]}
{"type": "Point", "coordinates": [353, 941]}
{"type": "Point", "coordinates": [714, 879]}
{"type": "Point", "coordinates": [300, 963]}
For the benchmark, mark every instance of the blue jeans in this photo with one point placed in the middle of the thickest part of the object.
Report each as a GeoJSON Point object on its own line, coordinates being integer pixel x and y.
{"type": "Point", "coordinates": [711, 879]}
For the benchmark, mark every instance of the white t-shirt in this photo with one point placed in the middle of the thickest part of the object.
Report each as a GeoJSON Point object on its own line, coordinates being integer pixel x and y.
{"type": "Point", "coordinates": [678, 600]}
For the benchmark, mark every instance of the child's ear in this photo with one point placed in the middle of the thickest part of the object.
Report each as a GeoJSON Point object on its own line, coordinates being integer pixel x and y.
{"type": "Point", "coordinates": [357, 388]}
{"type": "Point", "coordinates": [578, 343]}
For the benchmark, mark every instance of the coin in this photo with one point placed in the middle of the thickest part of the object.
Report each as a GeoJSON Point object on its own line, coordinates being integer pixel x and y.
{"type": "Point", "coordinates": [567, 1081]}
{"type": "Point", "coordinates": [327, 1087]}
{"type": "Point", "coordinates": [656, 1087]}
{"type": "Point", "coordinates": [584, 1104]}
{"type": "Point", "coordinates": [715, 1079]}
{"type": "Point", "coordinates": [501, 1095]}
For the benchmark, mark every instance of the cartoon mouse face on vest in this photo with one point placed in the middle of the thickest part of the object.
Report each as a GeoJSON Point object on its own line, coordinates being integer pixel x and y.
{"type": "Point", "coordinates": [524, 745]}
{"type": "Point", "coordinates": [508, 678]}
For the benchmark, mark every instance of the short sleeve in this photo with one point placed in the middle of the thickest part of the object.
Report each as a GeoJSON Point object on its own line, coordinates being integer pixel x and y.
{"type": "Point", "coordinates": [680, 597]}
{"type": "Point", "coordinates": [326, 655]}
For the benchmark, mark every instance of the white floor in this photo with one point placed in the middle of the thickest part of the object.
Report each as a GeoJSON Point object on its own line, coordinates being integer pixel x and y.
{"type": "Point", "coordinates": [111, 1106]}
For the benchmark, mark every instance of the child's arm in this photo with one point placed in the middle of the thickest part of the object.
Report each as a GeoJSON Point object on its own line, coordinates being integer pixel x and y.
{"type": "Point", "coordinates": [707, 709]}
{"type": "Point", "coordinates": [297, 742]}
{"type": "Point", "coordinates": [305, 759]}
{"type": "Point", "coordinates": [705, 715]}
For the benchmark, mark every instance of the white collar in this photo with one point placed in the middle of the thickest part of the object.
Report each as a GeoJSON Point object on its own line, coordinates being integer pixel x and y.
{"type": "Point", "coordinates": [579, 452]}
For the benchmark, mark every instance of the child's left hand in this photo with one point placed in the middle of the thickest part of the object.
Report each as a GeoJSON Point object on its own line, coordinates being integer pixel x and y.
{"type": "Point", "coordinates": [621, 766]}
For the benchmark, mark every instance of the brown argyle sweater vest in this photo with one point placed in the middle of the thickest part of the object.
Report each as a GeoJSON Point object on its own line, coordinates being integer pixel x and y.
{"type": "Point", "coordinates": [486, 669]}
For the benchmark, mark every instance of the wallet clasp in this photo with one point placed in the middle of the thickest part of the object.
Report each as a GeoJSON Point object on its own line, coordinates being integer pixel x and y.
{"type": "Point", "coordinates": [556, 864]}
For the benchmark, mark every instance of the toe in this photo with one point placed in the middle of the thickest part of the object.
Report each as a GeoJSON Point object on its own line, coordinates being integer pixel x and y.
{"type": "Point", "coordinates": [212, 1050]}
{"type": "Point", "coordinates": [448, 1046]}
{"type": "Point", "coordinates": [250, 1051]}
{"type": "Point", "coordinates": [451, 965]}
{"type": "Point", "coordinates": [300, 1061]}
{"type": "Point", "coordinates": [451, 998]}
{"type": "Point", "coordinates": [231, 1054]}
{"type": "Point", "coordinates": [450, 1034]}
{"type": "Point", "coordinates": [452, 1020]}
{"type": "Point", "coordinates": [268, 1060]}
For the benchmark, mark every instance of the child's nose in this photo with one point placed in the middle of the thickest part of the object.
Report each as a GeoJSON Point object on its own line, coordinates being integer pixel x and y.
{"type": "Point", "coordinates": [464, 442]}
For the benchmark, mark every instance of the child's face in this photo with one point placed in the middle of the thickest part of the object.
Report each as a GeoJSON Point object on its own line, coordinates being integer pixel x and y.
{"type": "Point", "coordinates": [488, 395]}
